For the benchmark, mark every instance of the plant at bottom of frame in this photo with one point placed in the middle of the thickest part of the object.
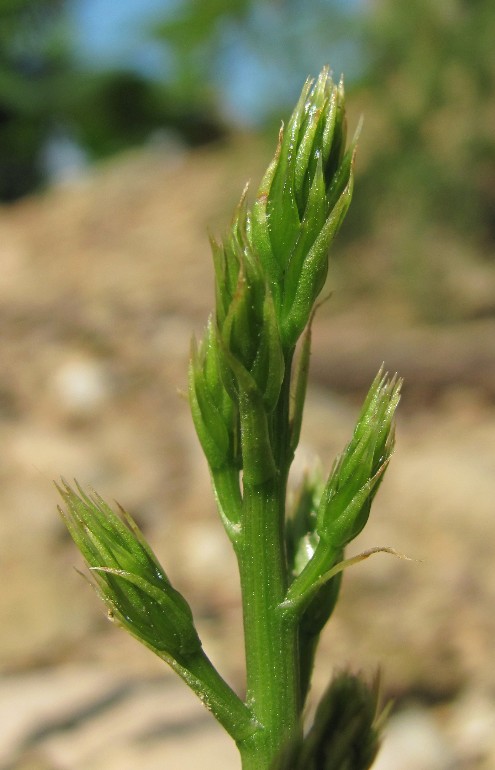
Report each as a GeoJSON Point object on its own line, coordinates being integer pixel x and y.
{"type": "Point", "coordinates": [247, 388]}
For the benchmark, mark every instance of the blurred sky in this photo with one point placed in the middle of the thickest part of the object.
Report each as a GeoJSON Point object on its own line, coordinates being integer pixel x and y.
{"type": "Point", "coordinates": [257, 68]}
{"type": "Point", "coordinates": [113, 32]}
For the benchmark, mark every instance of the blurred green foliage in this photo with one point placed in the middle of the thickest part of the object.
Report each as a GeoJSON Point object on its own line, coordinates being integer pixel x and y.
{"type": "Point", "coordinates": [430, 77]}
{"type": "Point", "coordinates": [46, 94]}
{"type": "Point", "coordinates": [219, 46]}
{"type": "Point", "coordinates": [425, 201]}
{"type": "Point", "coordinates": [192, 34]}
{"type": "Point", "coordinates": [421, 73]}
{"type": "Point", "coordinates": [116, 109]}
{"type": "Point", "coordinates": [32, 64]}
{"type": "Point", "coordinates": [427, 95]}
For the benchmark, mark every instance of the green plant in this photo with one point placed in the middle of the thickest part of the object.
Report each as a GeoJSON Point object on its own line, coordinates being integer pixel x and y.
{"type": "Point", "coordinates": [247, 390]}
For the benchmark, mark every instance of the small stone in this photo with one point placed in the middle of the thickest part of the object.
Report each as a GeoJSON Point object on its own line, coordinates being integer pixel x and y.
{"type": "Point", "coordinates": [82, 386]}
{"type": "Point", "coordinates": [472, 728]}
{"type": "Point", "coordinates": [413, 742]}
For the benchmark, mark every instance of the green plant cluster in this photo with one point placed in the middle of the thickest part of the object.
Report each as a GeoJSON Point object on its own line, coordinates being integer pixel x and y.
{"type": "Point", "coordinates": [247, 387]}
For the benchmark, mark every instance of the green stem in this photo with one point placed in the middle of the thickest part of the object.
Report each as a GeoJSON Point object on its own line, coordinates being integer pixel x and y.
{"type": "Point", "coordinates": [228, 497]}
{"type": "Point", "coordinates": [272, 669]}
{"type": "Point", "coordinates": [271, 638]}
{"type": "Point", "coordinates": [305, 585]}
{"type": "Point", "coordinates": [217, 696]}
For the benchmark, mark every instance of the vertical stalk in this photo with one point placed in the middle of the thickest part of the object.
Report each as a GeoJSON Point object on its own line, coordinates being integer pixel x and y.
{"type": "Point", "coordinates": [271, 640]}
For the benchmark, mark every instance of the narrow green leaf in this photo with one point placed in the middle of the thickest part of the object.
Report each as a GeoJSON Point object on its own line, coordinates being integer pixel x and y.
{"type": "Point", "coordinates": [298, 395]}
{"type": "Point", "coordinates": [269, 366]}
{"type": "Point", "coordinates": [313, 272]}
{"type": "Point", "coordinates": [209, 424]}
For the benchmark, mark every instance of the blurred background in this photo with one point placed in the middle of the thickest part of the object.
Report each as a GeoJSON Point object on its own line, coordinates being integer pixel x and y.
{"type": "Point", "coordinates": [127, 129]}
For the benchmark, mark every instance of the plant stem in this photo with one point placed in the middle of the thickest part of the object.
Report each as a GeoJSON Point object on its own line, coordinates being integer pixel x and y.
{"type": "Point", "coordinates": [299, 593]}
{"type": "Point", "coordinates": [271, 639]}
{"type": "Point", "coordinates": [214, 692]}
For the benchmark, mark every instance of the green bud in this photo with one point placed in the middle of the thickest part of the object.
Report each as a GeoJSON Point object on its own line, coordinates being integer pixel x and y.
{"type": "Point", "coordinates": [128, 576]}
{"type": "Point", "coordinates": [245, 314]}
{"type": "Point", "coordinates": [301, 203]}
{"type": "Point", "coordinates": [301, 537]}
{"type": "Point", "coordinates": [269, 366]}
{"type": "Point", "coordinates": [346, 731]}
{"type": "Point", "coordinates": [302, 542]}
{"type": "Point", "coordinates": [236, 437]}
{"type": "Point", "coordinates": [240, 290]}
{"type": "Point", "coordinates": [299, 387]}
{"type": "Point", "coordinates": [258, 463]}
{"type": "Point", "coordinates": [354, 481]}
{"type": "Point", "coordinates": [214, 414]}
{"type": "Point", "coordinates": [312, 622]}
